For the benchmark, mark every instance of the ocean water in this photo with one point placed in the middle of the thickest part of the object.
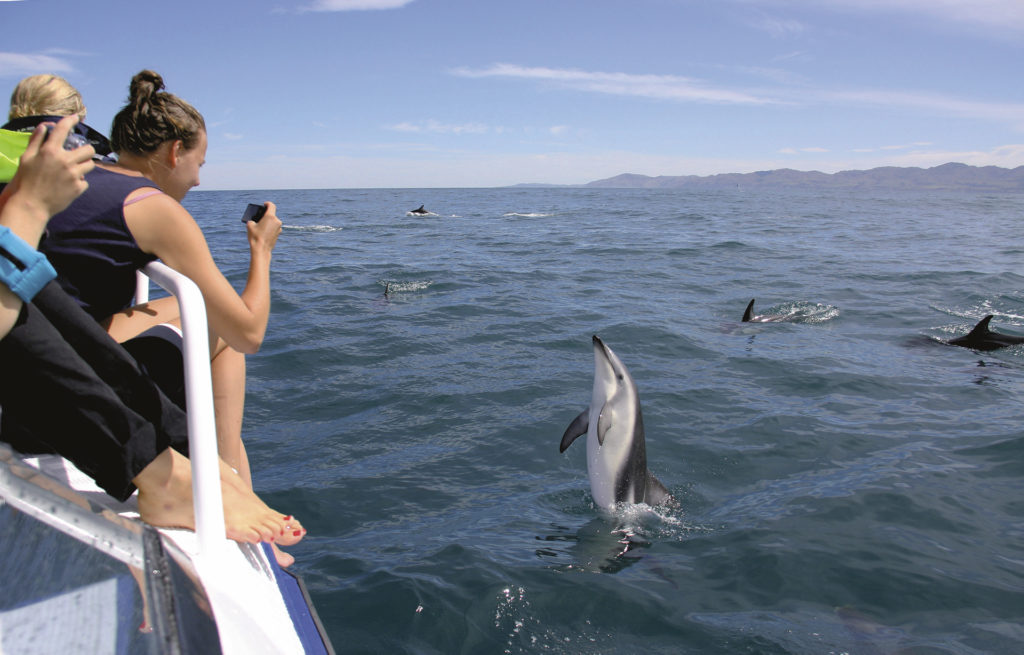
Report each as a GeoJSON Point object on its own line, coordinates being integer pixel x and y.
{"type": "Point", "coordinates": [846, 482]}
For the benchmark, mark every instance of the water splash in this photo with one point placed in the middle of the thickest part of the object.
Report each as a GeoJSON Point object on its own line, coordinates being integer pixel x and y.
{"type": "Point", "coordinates": [312, 228]}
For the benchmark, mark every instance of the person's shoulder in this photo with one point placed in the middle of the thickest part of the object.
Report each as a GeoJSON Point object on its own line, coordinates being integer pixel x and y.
{"type": "Point", "coordinates": [159, 222]}
{"type": "Point", "coordinates": [154, 203]}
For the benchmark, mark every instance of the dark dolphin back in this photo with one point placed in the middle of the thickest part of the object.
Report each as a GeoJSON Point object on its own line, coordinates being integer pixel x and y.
{"type": "Point", "coordinates": [632, 479]}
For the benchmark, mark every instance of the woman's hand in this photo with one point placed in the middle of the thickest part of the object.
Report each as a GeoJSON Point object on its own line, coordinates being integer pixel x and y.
{"type": "Point", "coordinates": [263, 234]}
{"type": "Point", "coordinates": [48, 178]}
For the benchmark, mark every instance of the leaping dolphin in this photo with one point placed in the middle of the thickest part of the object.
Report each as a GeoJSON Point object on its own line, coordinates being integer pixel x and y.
{"type": "Point", "coordinates": [616, 453]}
{"type": "Point", "coordinates": [982, 338]}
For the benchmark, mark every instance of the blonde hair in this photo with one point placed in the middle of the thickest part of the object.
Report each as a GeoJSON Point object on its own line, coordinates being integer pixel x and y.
{"type": "Point", "coordinates": [46, 95]}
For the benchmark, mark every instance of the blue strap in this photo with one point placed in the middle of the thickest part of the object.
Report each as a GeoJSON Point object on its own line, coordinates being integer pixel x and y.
{"type": "Point", "coordinates": [23, 269]}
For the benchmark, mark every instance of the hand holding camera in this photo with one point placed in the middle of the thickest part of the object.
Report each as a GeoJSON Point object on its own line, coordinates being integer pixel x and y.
{"type": "Point", "coordinates": [73, 140]}
{"type": "Point", "coordinates": [54, 176]}
{"type": "Point", "coordinates": [253, 213]}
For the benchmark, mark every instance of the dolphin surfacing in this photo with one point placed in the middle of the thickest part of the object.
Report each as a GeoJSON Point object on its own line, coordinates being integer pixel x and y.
{"type": "Point", "coordinates": [982, 338]}
{"type": "Point", "coordinates": [420, 211]}
{"type": "Point", "coordinates": [750, 317]}
{"type": "Point", "coordinates": [614, 425]}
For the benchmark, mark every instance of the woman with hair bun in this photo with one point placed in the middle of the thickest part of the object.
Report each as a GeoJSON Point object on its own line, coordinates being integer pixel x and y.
{"type": "Point", "coordinates": [132, 215]}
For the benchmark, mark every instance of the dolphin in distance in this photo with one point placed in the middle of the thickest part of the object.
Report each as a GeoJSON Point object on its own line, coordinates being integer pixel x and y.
{"type": "Point", "coordinates": [983, 338]}
{"type": "Point", "coordinates": [420, 211]}
{"type": "Point", "coordinates": [616, 448]}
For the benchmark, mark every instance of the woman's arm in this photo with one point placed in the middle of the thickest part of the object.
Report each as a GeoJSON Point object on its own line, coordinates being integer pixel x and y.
{"type": "Point", "coordinates": [162, 227]}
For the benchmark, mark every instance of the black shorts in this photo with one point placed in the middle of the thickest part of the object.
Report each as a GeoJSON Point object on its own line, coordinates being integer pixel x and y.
{"type": "Point", "coordinates": [67, 387]}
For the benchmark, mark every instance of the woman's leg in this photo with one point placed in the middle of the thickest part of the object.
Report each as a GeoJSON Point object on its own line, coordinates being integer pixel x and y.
{"type": "Point", "coordinates": [228, 370]}
{"type": "Point", "coordinates": [165, 500]}
{"type": "Point", "coordinates": [69, 385]}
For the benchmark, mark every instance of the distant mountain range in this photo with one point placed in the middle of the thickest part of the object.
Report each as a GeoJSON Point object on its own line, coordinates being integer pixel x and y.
{"type": "Point", "coordinates": [945, 177]}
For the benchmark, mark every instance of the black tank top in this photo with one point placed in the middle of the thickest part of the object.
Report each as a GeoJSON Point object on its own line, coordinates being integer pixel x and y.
{"type": "Point", "coordinates": [91, 248]}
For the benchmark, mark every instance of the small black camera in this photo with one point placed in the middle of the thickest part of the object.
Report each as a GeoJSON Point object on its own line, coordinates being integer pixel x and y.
{"type": "Point", "coordinates": [253, 213]}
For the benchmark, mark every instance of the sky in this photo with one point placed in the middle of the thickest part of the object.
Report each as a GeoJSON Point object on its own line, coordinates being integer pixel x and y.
{"type": "Point", "coordinates": [484, 93]}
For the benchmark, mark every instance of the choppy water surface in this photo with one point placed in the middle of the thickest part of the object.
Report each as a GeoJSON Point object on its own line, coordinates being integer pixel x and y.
{"type": "Point", "coordinates": [846, 482]}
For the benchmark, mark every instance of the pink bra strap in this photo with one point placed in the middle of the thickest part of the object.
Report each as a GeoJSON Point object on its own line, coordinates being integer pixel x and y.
{"type": "Point", "coordinates": [142, 197]}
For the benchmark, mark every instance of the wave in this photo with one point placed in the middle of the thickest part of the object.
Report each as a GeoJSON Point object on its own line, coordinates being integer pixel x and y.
{"type": "Point", "coordinates": [406, 287]}
{"type": "Point", "coordinates": [528, 215]}
{"type": "Point", "coordinates": [802, 312]}
{"type": "Point", "coordinates": [980, 311]}
{"type": "Point", "coordinates": [312, 228]}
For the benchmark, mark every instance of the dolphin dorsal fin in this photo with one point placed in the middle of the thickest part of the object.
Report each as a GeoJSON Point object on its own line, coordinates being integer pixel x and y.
{"type": "Point", "coordinates": [750, 311]}
{"type": "Point", "coordinates": [981, 328]}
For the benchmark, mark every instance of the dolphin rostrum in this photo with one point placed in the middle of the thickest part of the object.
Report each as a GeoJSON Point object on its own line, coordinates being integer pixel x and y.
{"type": "Point", "coordinates": [616, 453]}
{"type": "Point", "coordinates": [982, 338]}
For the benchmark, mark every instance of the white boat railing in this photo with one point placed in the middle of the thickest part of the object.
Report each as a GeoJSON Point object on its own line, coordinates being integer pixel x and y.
{"type": "Point", "coordinates": [202, 430]}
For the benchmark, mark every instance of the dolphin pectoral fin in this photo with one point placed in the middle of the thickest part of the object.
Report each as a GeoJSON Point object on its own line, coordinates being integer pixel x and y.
{"type": "Point", "coordinates": [656, 493]}
{"type": "Point", "coordinates": [578, 427]}
{"type": "Point", "coordinates": [750, 311]}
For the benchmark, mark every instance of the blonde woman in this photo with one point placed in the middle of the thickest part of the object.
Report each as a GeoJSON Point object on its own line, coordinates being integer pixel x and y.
{"type": "Point", "coordinates": [43, 99]}
{"type": "Point", "coordinates": [46, 95]}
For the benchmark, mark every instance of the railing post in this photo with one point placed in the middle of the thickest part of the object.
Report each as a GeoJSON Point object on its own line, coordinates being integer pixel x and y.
{"type": "Point", "coordinates": [141, 288]}
{"type": "Point", "coordinates": [202, 430]}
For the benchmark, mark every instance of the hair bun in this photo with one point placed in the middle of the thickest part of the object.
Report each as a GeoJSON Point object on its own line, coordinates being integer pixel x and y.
{"type": "Point", "coordinates": [144, 85]}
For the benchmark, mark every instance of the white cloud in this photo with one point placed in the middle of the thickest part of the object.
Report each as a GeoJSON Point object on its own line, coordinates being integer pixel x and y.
{"type": "Point", "coordinates": [15, 64]}
{"type": "Point", "coordinates": [797, 151]}
{"type": "Point", "coordinates": [356, 5]}
{"type": "Point", "coordinates": [906, 146]}
{"type": "Point", "coordinates": [436, 127]}
{"type": "Point", "coordinates": [789, 90]}
{"type": "Point", "coordinates": [932, 103]}
{"type": "Point", "coordinates": [778, 27]}
{"type": "Point", "coordinates": [1000, 14]}
{"type": "Point", "coordinates": [665, 87]}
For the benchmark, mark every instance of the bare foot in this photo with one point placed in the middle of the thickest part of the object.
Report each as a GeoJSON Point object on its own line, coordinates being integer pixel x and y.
{"type": "Point", "coordinates": [284, 560]}
{"type": "Point", "coordinates": [273, 526]}
{"type": "Point", "coordinates": [165, 500]}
